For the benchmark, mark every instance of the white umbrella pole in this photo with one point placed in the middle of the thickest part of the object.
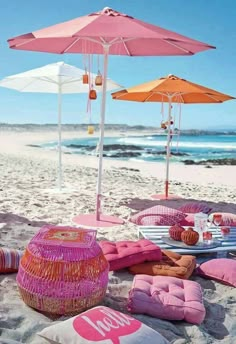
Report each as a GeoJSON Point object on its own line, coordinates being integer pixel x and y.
{"type": "Point", "coordinates": [59, 139]}
{"type": "Point", "coordinates": [101, 139]}
{"type": "Point", "coordinates": [168, 151]}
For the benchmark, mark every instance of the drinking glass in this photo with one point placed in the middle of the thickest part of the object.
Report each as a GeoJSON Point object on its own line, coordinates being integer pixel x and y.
{"type": "Point", "coordinates": [200, 224]}
{"type": "Point", "coordinates": [217, 219]}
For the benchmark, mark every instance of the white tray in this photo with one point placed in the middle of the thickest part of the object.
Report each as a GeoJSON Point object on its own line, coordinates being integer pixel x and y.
{"type": "Point", "coordinates": [199, 246]}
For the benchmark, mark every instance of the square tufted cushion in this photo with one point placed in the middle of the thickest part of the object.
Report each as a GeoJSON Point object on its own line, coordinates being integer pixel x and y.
{"type": "Point", "coordinates": [9, 259]}
{"type": "Point", "coordinates": [172, 264]}
{"type": "Point", "coordinates": [158, 215]}
{"type": "Point", "coordinates": [228, 219]}
{"type": "Point", "coordinates": [220, 269]}
{"type": "Point", "coordinates": [167, 298]}
{"type": "Point", "coordinates": [123, 254]}
{"type": "Point", "coordinates": [195, 207]}
{"type": "Point", "coordinates": [101, 325]}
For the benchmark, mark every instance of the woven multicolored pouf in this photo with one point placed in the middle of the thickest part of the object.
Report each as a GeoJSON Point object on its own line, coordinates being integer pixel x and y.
{"type": "Point", "coordinates": [63, 271]}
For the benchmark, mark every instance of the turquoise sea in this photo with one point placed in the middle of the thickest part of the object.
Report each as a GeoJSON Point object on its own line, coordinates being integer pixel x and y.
{"type": "Point", "coordinates": [152, 147]}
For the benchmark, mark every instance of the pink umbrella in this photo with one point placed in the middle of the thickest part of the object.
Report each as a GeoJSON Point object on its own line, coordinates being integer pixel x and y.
{"type": "Point", "coordinates": [106, 32]}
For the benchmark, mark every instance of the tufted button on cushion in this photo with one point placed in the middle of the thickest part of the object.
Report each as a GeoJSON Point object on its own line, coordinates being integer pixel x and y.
{"type": "Point", "coordinates": [172, 264]}
{"type": "Point", "coordinates": [123, 254]}
{"type": "Point", "coordinates": [167, 298]}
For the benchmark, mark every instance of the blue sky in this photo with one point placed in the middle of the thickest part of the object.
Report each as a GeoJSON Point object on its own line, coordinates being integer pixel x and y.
{"type": "Point", "coordinates": [212, 22]}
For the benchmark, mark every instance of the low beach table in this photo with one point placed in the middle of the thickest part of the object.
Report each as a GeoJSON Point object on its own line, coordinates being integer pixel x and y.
{"type": "Point", "coordinates": [155, 233]}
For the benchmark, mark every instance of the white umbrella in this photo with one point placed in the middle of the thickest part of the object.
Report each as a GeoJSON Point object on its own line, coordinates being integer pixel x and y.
{"type": "Point", "coordinates": [57, 78]}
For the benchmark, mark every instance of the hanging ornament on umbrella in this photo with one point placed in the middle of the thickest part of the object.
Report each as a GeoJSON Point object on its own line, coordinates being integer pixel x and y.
{"type": "Point", "coordinates": [98, 78]}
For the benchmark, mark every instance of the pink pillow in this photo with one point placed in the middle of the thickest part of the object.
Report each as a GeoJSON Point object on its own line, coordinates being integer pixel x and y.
{"type": "Point", "coordinates": [195, 207]}
{"type": "Point", "coordinates": [228, 219]}
{"type": "Point", "coordinates": [123, 254]}
{"type": "Point", "coordinates": [101, 325]}
{"type": "Point", "coordinates": [167, 298]}
{"type": "Point", "coordinates": [188, 220]}
{"type": "Point", "coordinates": [220, 269]}
{"type": "Point", "coordinates": [158, 216]}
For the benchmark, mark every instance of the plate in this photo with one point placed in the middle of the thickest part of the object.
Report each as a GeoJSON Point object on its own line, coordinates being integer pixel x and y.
{"type": "Point", "coordinates": [199, 246]}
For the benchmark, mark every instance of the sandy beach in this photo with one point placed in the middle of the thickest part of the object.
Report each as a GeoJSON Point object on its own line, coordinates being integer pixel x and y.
{"type": "Point", "coordinates": [28, 178]}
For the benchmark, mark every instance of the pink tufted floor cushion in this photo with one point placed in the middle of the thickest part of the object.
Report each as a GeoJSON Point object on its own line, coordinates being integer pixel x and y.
{"type": "Point", "coordinates": [167, 298]}
{"type": "Point", "coordinates": [123, 254]}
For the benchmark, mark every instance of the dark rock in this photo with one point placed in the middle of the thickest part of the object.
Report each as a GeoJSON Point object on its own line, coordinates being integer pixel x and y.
{"type": "Point", "coordinates": [164, 153]}
{"type": "Point", "coordinates": [189, 162]}
{"type": "Point", "coordinates": [121, 147]}
{"type": "Point", "coordinates": [123, 155]}
{"type": "Point", "coordinates": [226, 161]}
{"type": "Point", "coordinates": [35, 146]}
{"type": "Point", "coordinates": [107, 148]}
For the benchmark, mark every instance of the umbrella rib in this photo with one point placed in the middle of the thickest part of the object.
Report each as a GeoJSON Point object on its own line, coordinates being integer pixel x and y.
{"type": "Point", "coordinates": [211, 96]}
{"type": "Point", "coordinates": [70, 45]}
{"type": "Point", "coordinates": [125, 46]}
{"type": "Point", "coordinates": [23, 88]}
{"type": "Point", "coordinates": [23, 43]}
{"type": "Point", "coordinates": [177, 46]}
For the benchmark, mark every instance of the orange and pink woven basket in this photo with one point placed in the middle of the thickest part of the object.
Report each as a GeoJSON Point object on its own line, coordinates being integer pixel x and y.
{"type": "Point", "coordinates": [63, 271]}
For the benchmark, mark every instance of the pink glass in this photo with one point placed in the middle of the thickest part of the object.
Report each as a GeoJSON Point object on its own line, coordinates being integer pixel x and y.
{"type": "Point", "coordinates": [225, 231]}
{"type": "Point", "coordinates": [217, 218]}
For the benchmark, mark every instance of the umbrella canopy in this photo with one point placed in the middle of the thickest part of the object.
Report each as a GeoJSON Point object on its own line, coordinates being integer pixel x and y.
{"type": "Point", "coordinates": [179, 90]}
{"type": "Point", "coordinates": [170, 89]}
{"type": "Point", "coordinates": [46, 79]}
{"type": "Point", "coordinates": [54, 78]}
{"type": "Point", "coordinates": [107, 32]}
{"type": "Point", "coordinates": [124, 34]}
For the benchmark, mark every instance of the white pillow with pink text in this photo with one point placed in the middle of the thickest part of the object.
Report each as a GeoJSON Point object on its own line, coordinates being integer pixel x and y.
{"type": "Point", "coordinates": [101, 325]}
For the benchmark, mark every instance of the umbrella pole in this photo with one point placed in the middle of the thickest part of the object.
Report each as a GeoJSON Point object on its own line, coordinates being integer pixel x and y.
{"type": "Point", "coordinates": [101, 139]}
{"type": "Point", "coordinates": [59, 139]}
{"type": "Point", "coordinates": [168, 152]}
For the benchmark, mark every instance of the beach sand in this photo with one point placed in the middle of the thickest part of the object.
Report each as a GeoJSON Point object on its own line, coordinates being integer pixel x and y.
{"type": "Point", "coordinates": [28, 200]}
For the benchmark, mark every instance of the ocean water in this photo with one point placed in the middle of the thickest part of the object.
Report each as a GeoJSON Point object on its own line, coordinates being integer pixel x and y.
{"type": "Point", "coordinates": [153, 147]}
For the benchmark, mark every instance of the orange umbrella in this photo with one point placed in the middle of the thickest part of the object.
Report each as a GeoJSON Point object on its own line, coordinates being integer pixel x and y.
{"type": "Point", "coordinates": [170, 89]}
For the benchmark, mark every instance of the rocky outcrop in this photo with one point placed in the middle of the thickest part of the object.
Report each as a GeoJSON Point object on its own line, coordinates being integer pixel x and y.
{"type": "Point", "coordinates": [225, 161]}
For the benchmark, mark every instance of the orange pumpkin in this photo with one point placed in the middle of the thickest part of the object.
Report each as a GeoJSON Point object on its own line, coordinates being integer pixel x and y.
{"type": "Point", "coordinates": [175, 232]}
{"type": "Point", "coordinates": [190, 237]}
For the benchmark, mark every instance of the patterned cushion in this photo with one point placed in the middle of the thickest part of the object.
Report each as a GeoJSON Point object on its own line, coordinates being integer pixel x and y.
{"type": "Point", "coordinates": [101, 325]}
{"type": "Point", "coordinates": [123, 254]}
{"type": "Point", "coordinates": [228, 219]}
{"type": "Point", "coordinates": [171, 264]}
{"type": "Point", "coordinates": [188, 220]}
{"type": "Point", "coordinates": [158, 216]}
{"type": "Point", "coordinates": [167, 298]}
{"type": "Point", "coordinates": [9, 260]}
{"type": "Point", "coordinates": [220, 269]}
{"type": "Point", "coordinates": [195, 207]}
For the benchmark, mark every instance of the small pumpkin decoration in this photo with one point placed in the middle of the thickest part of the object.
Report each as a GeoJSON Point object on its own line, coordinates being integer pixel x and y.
{"type": "Point", "coordinates": [175, 232]}
{"type": "Point", "coordinates": [190, 237]}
